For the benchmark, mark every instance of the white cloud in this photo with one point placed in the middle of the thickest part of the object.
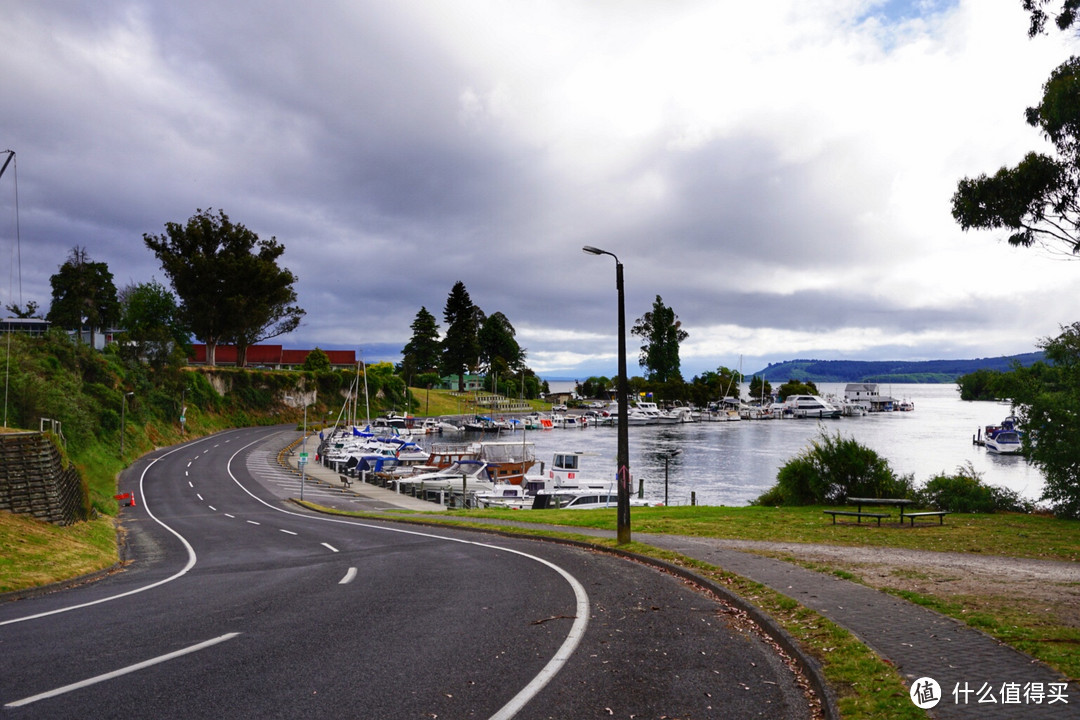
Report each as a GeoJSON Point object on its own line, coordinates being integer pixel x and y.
{"type": "Point", "coordinates": [779, 173]}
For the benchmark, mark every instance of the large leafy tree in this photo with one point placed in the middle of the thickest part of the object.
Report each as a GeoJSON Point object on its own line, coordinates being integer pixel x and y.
{"type": "Point", "coordinates": [421, 353]}
{"type": "Point", "coordinates": [662, 332]}
{"type": "Point", "coordinates": [1036, 200]}
{"type": "Point", "coordinates": [497, 343]}
{"type": "Point", "coordinates": [228, 280]}
{"type": "Point", "coordinates": [1047, 399]}
{"type": "Point", "coordinates": [461, 346]}
{"type": "Point", "coordinates": [152, 327]}
{"type": "Point", "coordinates": [83, 294]}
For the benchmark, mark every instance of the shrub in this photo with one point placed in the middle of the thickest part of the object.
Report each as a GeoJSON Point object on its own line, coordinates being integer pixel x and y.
{"type": "Point", "coordinates": [832, 469]}
{"type": "Point", "coordinates": [965, 492]}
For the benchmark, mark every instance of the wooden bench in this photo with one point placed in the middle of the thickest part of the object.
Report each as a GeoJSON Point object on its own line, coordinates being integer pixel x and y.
{"type": "Point", "coordinates": [860, 515]}
{"type": "Point", "coordinates": [930, 513]}
{"type": "Point", "coordinates": [346, 481]}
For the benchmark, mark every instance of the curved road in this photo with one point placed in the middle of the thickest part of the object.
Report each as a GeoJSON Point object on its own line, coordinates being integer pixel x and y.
{"type": "Point", "coordinates": [236, 604]}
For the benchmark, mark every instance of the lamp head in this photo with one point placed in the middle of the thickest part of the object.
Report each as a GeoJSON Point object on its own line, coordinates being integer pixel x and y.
{"type": "Point", "coordinates": [592, 251]}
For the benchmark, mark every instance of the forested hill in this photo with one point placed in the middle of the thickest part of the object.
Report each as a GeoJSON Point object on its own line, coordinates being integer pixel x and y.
{"type": "Point", "coordinates": [883, 371]}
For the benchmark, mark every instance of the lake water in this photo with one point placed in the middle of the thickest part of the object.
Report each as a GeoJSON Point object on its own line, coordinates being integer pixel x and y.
{"type": "Point", "coordinates": [731, 463]}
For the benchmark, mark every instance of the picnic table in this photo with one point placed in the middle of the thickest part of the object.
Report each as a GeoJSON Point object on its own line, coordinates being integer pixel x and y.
{"type": "Point", "coordinates": [901, 502]}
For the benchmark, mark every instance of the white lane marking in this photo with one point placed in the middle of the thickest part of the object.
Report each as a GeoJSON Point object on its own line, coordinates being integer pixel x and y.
{"type": "Point", "coordinates": [122, 671]}
{"type": "Point", "coordinates": [230, 515]}
{"type": "Point", "coordinates": [199, 495]}
{"type": "Point", "coordinates": [557, 661]}
{"type": "Point", "coordinates": [189, 483]}
{"type": "Point", "coordinates": [287, 532]}
{"type": "Point", "coordinates": [252, 522]}
{"type": "Point", "coordinates": [212, 508]}
{"type": "Point", "coordinates": [329, 547]}
{"type": "Point", "coordinates": [189, 463]}
{"type": "Point", "coordinates": [349, 577]}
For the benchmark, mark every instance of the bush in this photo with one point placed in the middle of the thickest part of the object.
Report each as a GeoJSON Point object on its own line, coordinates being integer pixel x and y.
{"type": "Point", "coordinates": [833, 469]}
{"type": "Point", "coordinates": [965, 492]}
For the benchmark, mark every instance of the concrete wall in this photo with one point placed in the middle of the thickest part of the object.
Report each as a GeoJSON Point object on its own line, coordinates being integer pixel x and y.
{"type": "Point", "coordinates": [34, 482]}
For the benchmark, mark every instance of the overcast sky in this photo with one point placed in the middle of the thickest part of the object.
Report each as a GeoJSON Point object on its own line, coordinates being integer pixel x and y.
{"type": "Point", "coordinates": [779, 173]}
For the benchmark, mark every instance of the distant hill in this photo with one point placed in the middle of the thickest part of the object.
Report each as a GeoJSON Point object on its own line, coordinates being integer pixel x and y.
{"type": "Point", "coordinates": [885, 371]}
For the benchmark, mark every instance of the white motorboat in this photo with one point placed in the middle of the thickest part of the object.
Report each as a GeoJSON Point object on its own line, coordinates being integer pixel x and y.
{"type": "Point", "coordinates": [1004, 439]}
{"type": "Point", "coordinates": [1004, 442]}
{"type": "Point", "coordinates": [810, 406]}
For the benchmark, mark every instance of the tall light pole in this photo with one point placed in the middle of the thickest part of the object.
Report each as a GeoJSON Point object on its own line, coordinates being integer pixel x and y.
{"type": "Point", "coordinates": [123, 421]}
{"type": "Point", "coordinates": [622, 459]}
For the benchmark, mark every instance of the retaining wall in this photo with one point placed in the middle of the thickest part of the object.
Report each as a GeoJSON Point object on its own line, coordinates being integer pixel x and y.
{"type": "Point", "coordinates": [34, 482]}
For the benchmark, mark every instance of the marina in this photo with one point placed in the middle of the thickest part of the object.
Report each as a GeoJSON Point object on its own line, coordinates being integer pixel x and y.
{"type": "Point", "coordinates": [732, 463]}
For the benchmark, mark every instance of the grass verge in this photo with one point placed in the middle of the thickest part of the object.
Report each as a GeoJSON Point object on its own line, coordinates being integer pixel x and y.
{"type": "Point", "coordinates": [35, 553]}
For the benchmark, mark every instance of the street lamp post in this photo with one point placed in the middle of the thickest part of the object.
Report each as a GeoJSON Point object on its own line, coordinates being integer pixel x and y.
{"type": "Point", "coordinates": [622, 460]}
{"type": "Point", "coordinates": [123, 421]}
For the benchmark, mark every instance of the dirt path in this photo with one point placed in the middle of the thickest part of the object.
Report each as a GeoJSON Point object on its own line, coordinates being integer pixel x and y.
{"type": "Point", "coordinates": [1046, 585]}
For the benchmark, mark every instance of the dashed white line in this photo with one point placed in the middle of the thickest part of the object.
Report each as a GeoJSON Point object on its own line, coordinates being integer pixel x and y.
{"type": "Point", "coordinates": [287, 532]}
{"type": "Point", "coordinates": [252, 522]}
{"type": "Point", "coordinates": [212, 508]}
{"type": "Point", "coordinates": [349, 577]}
{"type": "Point", "coordinates": [330, 547]}
{"type": "Point", "coordinates": [199, 495]}
{"type": "Point", "coordinates": [230, 515]}
{"type": "Point", "coordinates": [121, 671]}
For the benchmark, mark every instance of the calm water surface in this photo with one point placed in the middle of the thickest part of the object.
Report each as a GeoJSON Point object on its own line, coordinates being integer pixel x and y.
{"type": "Point", "coordinates": [731, 463]}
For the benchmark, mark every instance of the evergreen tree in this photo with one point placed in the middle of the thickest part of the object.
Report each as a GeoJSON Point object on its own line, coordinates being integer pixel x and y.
{"type": "Point", "coordinates": [496, 338]}
{"type": "Point", "coordinates": [662, 333]}
{"type": "Point", "coordinates": [460, 347]}
{"type": "Point", "coordinates": [421, 354]}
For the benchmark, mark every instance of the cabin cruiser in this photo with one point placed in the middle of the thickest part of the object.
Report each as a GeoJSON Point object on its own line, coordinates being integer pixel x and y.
{"type": "Point", "coordinates": [1004, 439]}
{"type": "Point", "coordinates": [809, 406]}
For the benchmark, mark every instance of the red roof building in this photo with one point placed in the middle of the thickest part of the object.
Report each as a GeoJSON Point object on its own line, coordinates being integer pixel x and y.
{"type": "Point", "coordinates": [272, 356]}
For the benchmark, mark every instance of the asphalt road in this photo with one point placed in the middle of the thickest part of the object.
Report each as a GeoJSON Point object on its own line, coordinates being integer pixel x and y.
{"type": "Point", "coordinates": [233, 603]}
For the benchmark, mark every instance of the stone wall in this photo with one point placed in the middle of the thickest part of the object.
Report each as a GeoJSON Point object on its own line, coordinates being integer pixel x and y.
{"type": "Point", "coordinates": [34, 482]}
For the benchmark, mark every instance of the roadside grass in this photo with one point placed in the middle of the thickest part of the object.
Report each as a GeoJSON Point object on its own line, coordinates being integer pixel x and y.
{"type": "Point", "coordinates": [1010, 534]}
{"type": "Point", "coordinates": [35, 553]}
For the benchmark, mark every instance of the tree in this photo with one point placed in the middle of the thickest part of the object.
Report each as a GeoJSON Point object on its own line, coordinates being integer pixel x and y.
{"type": "Point", "coordinates": [228, 281]}
{"type": "Point", "coordinates": [1037, 199]}
{"type": "Point", "coordinates": [151, 324]}
{"type": "Point", "coordinates": [1047, 401]}
{"type": "Point", "coordinates": [421, 354]}
{"type": "Point", "coordinates": [759, 387]}
{"type": "Point", "coordinates": [662, 332]}
{"type": "Point", "coordinates": [496, 338]}
{"type": "Point", "coordinates": [29, 311]}
{"type": "Point", "coordinates": [83, 295]}
{"type": "Point", "coordinates": [1064, 19]}
{"type": "Point", "coordinates": [796, 387]}
{"type": "Point", "coordinates": [317, 361]}
{"type": "Point", "coordinates": [460, 347]}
